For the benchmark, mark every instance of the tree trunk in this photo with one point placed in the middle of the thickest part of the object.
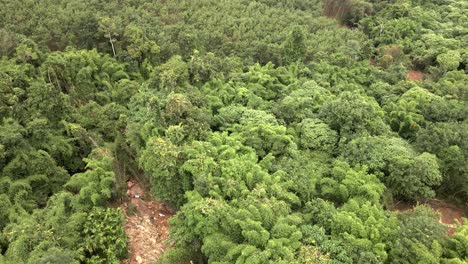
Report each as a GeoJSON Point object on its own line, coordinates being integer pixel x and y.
{"type": "Point", "coordinates": [112, 44]}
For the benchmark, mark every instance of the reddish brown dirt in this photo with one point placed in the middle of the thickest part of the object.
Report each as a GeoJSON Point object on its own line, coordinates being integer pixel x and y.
{"type": "Point", "coordinates": [146, 226]}
{"type": "Point", "coordinates": [450, 214]}
{"type": "Point", "coordinates": [415, 75]}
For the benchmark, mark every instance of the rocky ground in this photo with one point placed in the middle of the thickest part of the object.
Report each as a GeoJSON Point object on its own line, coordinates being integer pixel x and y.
{"type": "Point", "coordinates": [146, 225]}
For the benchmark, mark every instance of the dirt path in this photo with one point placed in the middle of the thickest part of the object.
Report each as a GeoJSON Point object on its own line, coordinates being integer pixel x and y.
{"type": "Point", "coordinates": [146, 226]}
{"type": "Point", "coordinates": [449, 213]}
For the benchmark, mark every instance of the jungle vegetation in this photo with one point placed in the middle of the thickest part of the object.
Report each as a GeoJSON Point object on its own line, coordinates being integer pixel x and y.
{"type": "Point", "coordinates": [282, 131]}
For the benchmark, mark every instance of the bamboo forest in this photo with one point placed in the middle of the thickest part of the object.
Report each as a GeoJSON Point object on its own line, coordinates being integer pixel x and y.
{"type": "Point", "coordinates": [233, 131]}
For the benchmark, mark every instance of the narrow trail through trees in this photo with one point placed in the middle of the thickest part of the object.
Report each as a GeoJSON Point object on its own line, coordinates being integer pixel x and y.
{"type": "Point", "coordinates": [145, 224]}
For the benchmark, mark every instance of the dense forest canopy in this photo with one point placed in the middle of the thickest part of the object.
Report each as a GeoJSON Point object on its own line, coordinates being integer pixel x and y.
{"type": "Point", "coordinates": [281, 131]}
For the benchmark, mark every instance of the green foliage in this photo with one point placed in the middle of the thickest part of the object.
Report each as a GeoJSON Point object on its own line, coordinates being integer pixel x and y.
{"type": "Point", "coordinates": [224, 167]}
{"type": "Point", "coordinates": [352, 113]}
{"type": "Point", "coordinates": [54, 255]}
{"type": "Point", "coordinates": [427, 31]}
{"type": "Point", "coordinates": [315, 135]}
{"type": "Point", "coordinates": [104, 237]}
{"type": "Point", "coordinates": [254, 232]}
{"type": "Point", "coordinates": [140, 46]}
{"type": "Point", "coordinates": [344, 183]}
{"type": "Point", "coordinates": [419, 237]}
{"type": "Point", "coordinates": [450, 60]}
{"type": "Point", "coordinates": [303, 103]}
{"type": "Point", "coordinates": [161, 160]}
{"type": "Point", "coordinates": [325, 248]}
{"type": "Point", "coordinates": [171, 75]}
{"type": "Point", "coordinates": [295, 46]}
{"type": "Point", "coordinates": [446, 141]}
{"type": "Point", "coordinates": [265, 138]}
{"type": "Point", "coordinates": [365, 229]}
{"type": "Point", "coordinates": [206, 67]}
{"type": "Point", "coordinates": [348, 11]}
{"type": "Point", "coordinates": [277, 128]}
{"type": "Point", "coordinates": [56, 231]}
{"type": "Point", "coordinates": [456, 249]}
{"type": "Point", "coordinates": [96, 184]}
{"type": "Point", "coordinates": [304, 169]}
{"type": "Point", "coordinates": [408, 174]}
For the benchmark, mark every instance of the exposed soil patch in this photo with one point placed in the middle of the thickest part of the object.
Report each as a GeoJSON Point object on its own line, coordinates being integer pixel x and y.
{"type": "Point", "coordinates": [146, 226]}
{"type": "Point", "coordinates": [415, 75]}
{"type": "Point", "coordinates": [450, 214]}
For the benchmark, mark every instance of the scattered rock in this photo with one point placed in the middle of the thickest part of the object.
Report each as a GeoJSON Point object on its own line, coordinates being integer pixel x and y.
{"type": "Point", "coordinates": [139, 260]}
{"type": "Point", "coordinates": [147, 234]}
